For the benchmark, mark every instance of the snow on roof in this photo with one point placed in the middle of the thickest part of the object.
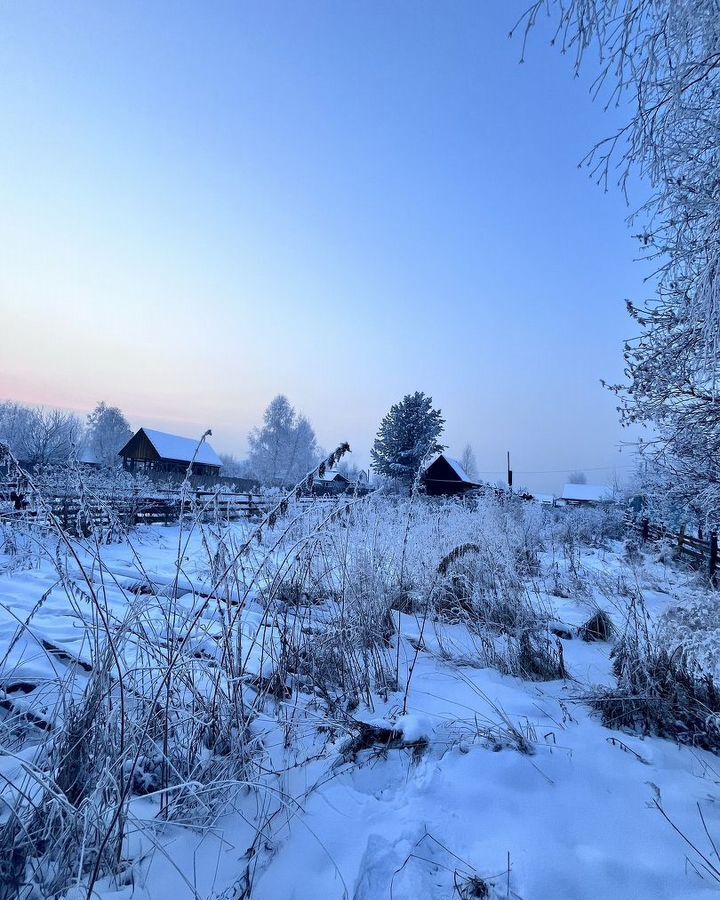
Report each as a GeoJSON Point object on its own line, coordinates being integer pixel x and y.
{"type": "Point", "coordinates": [182, 449]}
{"type": "Point", "coordinates": [590, 492]}
{"type": "Point", "coordinates": [456, 466]}
{"type": "Point", "coordinates": [88, 456]}
{"type": "Point", "coordinates": [331, 475]}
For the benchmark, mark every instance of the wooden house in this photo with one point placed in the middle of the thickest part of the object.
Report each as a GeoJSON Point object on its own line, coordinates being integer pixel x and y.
{"type": "Point", "coordinates": [331, 482]}
{"type": "Point", "coordinates": [334, 478]}
{"type": "Point", "coordinates": [150, 450]}
{"type": "Point", "coordinates": [446, 475]}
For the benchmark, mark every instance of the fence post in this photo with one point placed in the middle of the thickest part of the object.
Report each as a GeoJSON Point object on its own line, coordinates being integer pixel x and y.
{"type": "Point", "coordinates": [680, 541]}
{"type": "Point", "coordinates": [645, 530]}
{"type": "Point", "coordinates": [713, 558]}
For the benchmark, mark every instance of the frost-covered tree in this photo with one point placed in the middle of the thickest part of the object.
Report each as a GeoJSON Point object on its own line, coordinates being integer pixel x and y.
{"type": "Point", "coordinates": [39, 437]}
{"type": "Point", "coordinates": [407, 435]}
{"type": "Point", "coordinates": [468, 461]}
{"type": "Point", "coordinates": [234, 467]}
{"type": "Point", "coordinates": [52, 437]}
{"type": "Point", "coordinates": [107, 432]}
{"type": "Point", "coordinates": [577, 478]}
{"type": "Point", "coordinates": [15, 426]}
{"type": "Point", "coordinates": [349, 470]}
{"type": "Point", "coordinates": [285, 448]}
{"type": "Point", "coordinates": [662, 57]}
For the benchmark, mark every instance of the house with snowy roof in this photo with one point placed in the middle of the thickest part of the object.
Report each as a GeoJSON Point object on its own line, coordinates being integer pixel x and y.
{"type": "Point", "coordinates": [544, 499]}
{"type": "Point", "coordinates": [587, 494]}
{"type": "Point", "coordinates": [330, 482]}
{"type": "Point", "coordinates": [446, 475]}
{"type": "Point", "coordinates": [159, 451]}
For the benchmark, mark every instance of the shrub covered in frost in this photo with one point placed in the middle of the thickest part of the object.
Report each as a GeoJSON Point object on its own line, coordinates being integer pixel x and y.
{"type": "Point", "coordinates": [659, 689]}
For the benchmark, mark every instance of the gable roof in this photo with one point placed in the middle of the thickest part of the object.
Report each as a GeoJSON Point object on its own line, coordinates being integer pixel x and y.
{"type": "Point", "coordinates": [588, 492]}
{"type": "Point", "coordinates": [182, 449]}
{"type": "Point", "coordinates": [456, 467]}
{"type": "Point", "coordinates": [332, 475]}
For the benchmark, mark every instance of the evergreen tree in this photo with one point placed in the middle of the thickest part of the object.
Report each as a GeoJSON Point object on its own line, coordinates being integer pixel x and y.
{"type": "Point", "coordinates": [407, 435]}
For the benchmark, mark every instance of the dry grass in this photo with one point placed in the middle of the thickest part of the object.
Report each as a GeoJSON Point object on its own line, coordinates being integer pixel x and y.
{"type": "Point", "coordinates": [189, 702]}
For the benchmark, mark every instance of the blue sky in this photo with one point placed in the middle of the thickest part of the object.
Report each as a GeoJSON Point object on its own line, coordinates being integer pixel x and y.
{"type": "Point", "coordinates": [203, 205]}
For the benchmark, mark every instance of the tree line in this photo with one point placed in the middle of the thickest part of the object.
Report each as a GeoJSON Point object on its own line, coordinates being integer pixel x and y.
{"type": "Point", "coordinates": [42, 437]}
{"type": "Point", "coordinates": [282, 450]}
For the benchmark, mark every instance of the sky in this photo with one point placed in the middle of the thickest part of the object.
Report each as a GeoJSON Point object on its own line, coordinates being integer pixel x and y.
{"type": "Point", "coordinates": [203, 205]}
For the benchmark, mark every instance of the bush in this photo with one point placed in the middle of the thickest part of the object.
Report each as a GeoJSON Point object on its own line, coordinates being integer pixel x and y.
{"type": "Point", "coordinates": [599, 627]}
{"type": "Point", "coordinates": [658, 692]}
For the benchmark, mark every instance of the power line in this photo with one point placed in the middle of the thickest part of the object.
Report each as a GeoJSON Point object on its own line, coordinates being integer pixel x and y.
{"type": "Point", "coordinates": [558, 471]}
{"type": "Point", "coordinates": [580, 468]}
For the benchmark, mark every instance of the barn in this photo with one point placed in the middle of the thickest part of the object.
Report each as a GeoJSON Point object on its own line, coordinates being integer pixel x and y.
{"type": "Point", "coordinates": [150, 450]}
{"type": "Point", "coordinates": [446, 475]}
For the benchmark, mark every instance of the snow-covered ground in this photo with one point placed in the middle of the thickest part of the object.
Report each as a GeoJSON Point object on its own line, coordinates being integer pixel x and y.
{"type": "Point", "coordinates": [470, 783]}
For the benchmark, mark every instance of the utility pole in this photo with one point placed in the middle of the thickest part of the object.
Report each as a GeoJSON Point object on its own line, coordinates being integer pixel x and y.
{"type": "Point", "coordinates": [509, 472]}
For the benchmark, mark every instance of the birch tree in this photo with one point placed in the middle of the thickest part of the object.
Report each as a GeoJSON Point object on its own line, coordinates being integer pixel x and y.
{"type": "Point", "coordinates": [39, 437]}
{"type": "Point", "coordinates": [284, 449]}
{"type": "Point", "coordinates": [468, 461]}
{"type": "Point", "coordinates": [107, 432]}
{"type": "Point", "coordinates": [661, 58]}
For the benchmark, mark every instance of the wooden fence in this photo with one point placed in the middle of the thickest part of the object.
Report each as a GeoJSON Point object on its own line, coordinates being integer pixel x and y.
{"type": "Point", "coordinates": [701, 553]}
{"type": "Point", "coordinates": [82, 516]}
{"type": "Point", "coordinates": [78, 515]}
{"type": "Point", "coordinates": [165, 510]}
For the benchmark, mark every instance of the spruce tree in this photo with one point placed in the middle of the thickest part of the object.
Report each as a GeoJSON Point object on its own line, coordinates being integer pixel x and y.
{"type": "Point", "coordinates": [407, 435]}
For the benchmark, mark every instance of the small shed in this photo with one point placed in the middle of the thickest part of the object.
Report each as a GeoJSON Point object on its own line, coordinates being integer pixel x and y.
{"type": "Point", "coordinates": [544, 499]}
{"type": "Point", "coordinates": [87, 457]}
{"type": "Point", "coordinates": [331, 482]}
{"type": "Point", "coordinates": [587, 494]}
{"type": "Point", "coordinates": [446, 475]}
{"type": "Point", "coordinates": [159, 451]}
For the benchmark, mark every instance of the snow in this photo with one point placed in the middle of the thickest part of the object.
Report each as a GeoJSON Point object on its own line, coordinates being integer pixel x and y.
{"type": "Point", "coordinates": [590, 492]}
{"type": "Point", "coordinates": [88, 456]}
{"type": "Point", "coordinates": [546, 499]}
{"type": "Point", "coordinates": [331, 475]}
{"type": "Point", "coordinates": [456, 466]}
{"type": "Point", "coordinates": [414, 728]}
{"type": "Point", "coordinates": [458, 469]}
{"type": "Point", "coordinates": [182, 449]}
{"type": "Point", "coordinates": [457, 797]}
